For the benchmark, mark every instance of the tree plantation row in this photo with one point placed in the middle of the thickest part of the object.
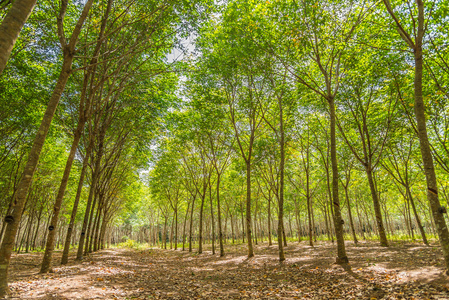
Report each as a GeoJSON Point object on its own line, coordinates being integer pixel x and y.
{"type": "Point", "coordinates": [181, 123]}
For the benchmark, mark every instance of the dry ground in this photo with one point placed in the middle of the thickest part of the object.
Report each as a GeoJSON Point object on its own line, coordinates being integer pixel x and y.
{"type": "Point", "coordinates": [402, 271]}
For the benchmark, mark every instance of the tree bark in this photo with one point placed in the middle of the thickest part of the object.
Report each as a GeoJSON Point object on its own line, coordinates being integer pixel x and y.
{"type": "Point", "coordinates": [426, 153]}
{"type": "Point", "coordinates": [269, 219]}
{"type": "Point", "coordinates": [11, 26]}
{"type": "Point", "coordinates": [338, 221]}
{"type": "Point", "coordinates": [200, 234]}
{"type": "Point", "coordinates": [419, 108]}
{"type": "Point", "coordinates": [418, 221]}
{"type": "Point", "coordinates": [220, 232]}
{"type": "Point", "coordinates": [33, 158]}
{"type": "Point", "coordinates": [248, 209]}
{"type": "Point", "coordinates": [65, 253]}
{"type": "Point", "coordinates": [46, 262]}
{"type": "Point", "coordinates": [191, 223]}
{"type": "Point", "coordinates": [377, 211]}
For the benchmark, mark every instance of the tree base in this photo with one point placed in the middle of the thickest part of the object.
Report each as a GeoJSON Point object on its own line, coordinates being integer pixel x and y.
{"type": "Point", "coordinates": [342, 260]}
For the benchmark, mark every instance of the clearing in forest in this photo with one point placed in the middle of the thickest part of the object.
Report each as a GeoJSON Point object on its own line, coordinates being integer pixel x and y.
{"type": "Point", "coordinates": [402, 271]}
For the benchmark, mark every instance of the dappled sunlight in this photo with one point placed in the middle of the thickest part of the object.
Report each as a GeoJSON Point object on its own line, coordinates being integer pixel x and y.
{"type": "Point", "coordinates": [230, 260]}
{"type": "Point", "coordinates": [307, 273]}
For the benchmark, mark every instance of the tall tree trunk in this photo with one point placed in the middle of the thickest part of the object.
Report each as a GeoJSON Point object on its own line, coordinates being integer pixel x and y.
{"type": "Point", "coordinates": [200, 234]}
{"type": "Point", "coordinates": [351, 223]}
{"type": "Point", "coordinates": [409, 216]}
{"type": "Point", "coordinates": [191, 224]}
{"type": "Point", "coordinates": [220, 232]}
{"type": "Point", "coordinates": [46, 262]}
{"type": "Point", "coordinates": [309, 215]}
{"type": "Point", "coordinates": [83, 235]}
{"type": "Point", "coordinates": [96, 235]}
{"type": "Point", "coordinates": [326, 223]}
{"type": "Point", "coordinates": [164, 236]}
{"type": "Point", "coordinates": [184, 227]}
{"type": "Point", "coordinates": [90, 223]}
{"type": "Point", "coordinates": [281, 232]}
{"type": "Point", "coordinates": [432, 189]}
{"type": "Point", "coordinates": [33, 158]}
{"type": "Point", "coordinates": [212, 218]}
{"type": "Point", "coordinates": [418, 221]}
{"type": "Point", "coordinates": [92, 195]}
{"type": "Point", "coordinates": [171, 233]}
{"type": "Point", "coordinates": [65, 253]}
{"type": "Point", "coordinates": [248, 209]}
{"type": "Point", "coordinates": [269, 219]}
{"type": "Point", "coordinates": [426, 153]}
{"type": "Point", "coordinates": [92, 227]}
{"type": "Point", "coordinates": [11, 26]}
{"type": "Point", "coordinates": [377, 211]}
{"type": "Point", "coordinates": [338, 221]}
{"type": "Point", "coordinates": [176, 228]}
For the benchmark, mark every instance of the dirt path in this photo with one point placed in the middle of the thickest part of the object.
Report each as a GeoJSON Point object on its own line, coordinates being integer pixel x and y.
{"type": "Point", "coordinates": [402, 271]}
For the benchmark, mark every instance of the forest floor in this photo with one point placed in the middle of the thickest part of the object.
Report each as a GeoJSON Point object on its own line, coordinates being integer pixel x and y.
{"type": "Point", "coordinates": [402, 271]}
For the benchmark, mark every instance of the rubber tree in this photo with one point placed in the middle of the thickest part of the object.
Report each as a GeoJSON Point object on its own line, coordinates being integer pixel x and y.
{"type": "Point", "coordinates": [413, 38]}
{"type": "Point", "coordinates": [11, 26]}
{"type": "Point", "coordinates": [317, 63]}
{"type": "Point", "coordinates": [366, 125]}
{"type": "Point", "coordinates": [13, 220]}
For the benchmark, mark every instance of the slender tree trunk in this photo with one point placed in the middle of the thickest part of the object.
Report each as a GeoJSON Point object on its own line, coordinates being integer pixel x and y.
{"type": "Point", "coordinates": [92, 195]}
{"type": "Point", "coordinates": [351, 223]}
{"type": "Point", "coordinates": [248, 209]}
{"type": "Point", "coordinates": [93, 225]}
{"type": "Point", "coordinates": [309, 215]}
{"type": "Point", "coordinates": [426, 153]}
{"type": "Point", "coordinates": [33, 158]}
{"type": "Point", "coordinates": [176, 228]}
{"type": "Point", "coordinates": [377, 211]}
{"type": "Point", "coordinates": [331, 212]}
{"type": "Point", "coordinates": [39, 218]}
{"type": "Point", "coordinates": [232, 230]}
{"type": "Point", "coordinates": [212, 218]}
{"type": "Point", "coordinates": [281, 232]}
{"type": "Point", "coordinates": [326, 222]}
{"type": "Point", "coordinates": [102, 233]}
{"type": "Point", "coordinates": [90, 224]}
{"type": "Point", "coordinates": [191, 223]}
{"type": "Point", "coordinates": [11, 26]}
{"type": "Point", "coordinates": [269, 219]}
{"type": "Point", "coordinates": [338, 221]}
{"type": "Point", "coordinates": [95, 241]}
{"type": "Point", "coordinates": [65, 253]}
{"type": "Point", "coordinates": [171, 232]}
{"type": "Point", "coordinates": [184, 227]}
{"type": "Point", "coordinates": [418, 221]}
{"type": "Point", "coordinates": [164, 236]}
{"type": "Point", "coordinates": [409, 215]}
{"type": "Point", "coordinates": [200, 237]}
{"type": "Point", "coordinates": [46, 262]}
{"type": "Point", "coordinates": [27, 245]}
{"type": "Point", "coordinates": [220, 232]}
{"type": "Point", "coordinates": [243, 224]}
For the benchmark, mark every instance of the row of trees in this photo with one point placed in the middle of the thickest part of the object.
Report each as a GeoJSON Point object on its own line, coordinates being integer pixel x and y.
{"type": "Point", "coordinates": [100, 68]}
{"type": "Point", "coordinates": [310, 107]}
{"type": "Point", "coordinates": [295, 119]}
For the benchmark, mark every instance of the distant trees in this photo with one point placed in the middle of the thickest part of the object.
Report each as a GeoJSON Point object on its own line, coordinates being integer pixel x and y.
{"type": "Point", "coordinates": [283, 109]}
